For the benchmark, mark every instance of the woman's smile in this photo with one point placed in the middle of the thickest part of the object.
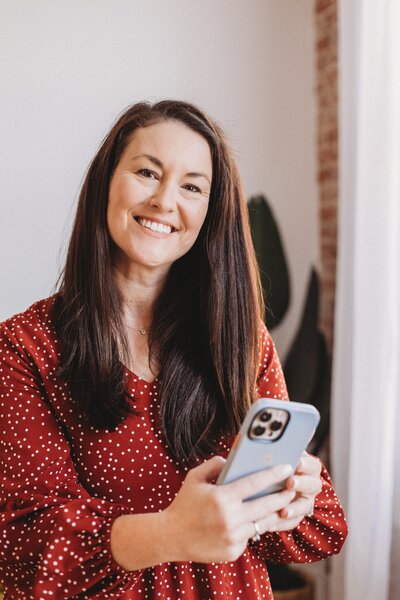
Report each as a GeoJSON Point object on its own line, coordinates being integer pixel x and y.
{"type": "Point", "coordinates": [162, 185]}
{"type": "Point", "coordinates": [155, 226]}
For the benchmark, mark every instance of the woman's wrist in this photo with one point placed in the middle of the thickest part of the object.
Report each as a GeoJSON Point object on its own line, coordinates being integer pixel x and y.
{"type": "Point", "coordinates": [142, 541]}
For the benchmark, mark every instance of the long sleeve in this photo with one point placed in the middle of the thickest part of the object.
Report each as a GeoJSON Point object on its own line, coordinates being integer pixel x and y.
{"type": "Point", "coordinates": [54, 536]}
{"type": "Point", "coordinates": [324, 533]}
{"type": "Point", "coordinates": [315, 537]}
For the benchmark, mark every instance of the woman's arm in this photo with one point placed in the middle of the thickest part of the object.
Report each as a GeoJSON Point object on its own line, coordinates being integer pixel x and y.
{"type": "Point", "coordinates": [302, 538]}
{"type": "Point", "coordinates": [141, 541]}
{"type": "Point", "coordinates": [54, 534]}
{"type": "Point", "coordinates": [315, 537]}
{"type": "Point", "coordinates": [205, 523]}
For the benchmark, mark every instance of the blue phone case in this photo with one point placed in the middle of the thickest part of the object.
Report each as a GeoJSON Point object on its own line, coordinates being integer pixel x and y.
{"type": "Point", "coordinates": [250, 455]}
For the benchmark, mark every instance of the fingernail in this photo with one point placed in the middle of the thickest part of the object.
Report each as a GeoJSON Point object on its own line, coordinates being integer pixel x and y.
{"type": "Point", "coordinates": [288, 513]}
{"type": "Point", "coordinates": [295, 483]}
{"type": "Point", "coordinates": [286, 470]}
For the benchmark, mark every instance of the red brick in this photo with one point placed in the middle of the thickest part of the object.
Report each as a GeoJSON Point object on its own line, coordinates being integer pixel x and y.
{"type": "Point", "coordinates": [326, 73]}
{"type": "Point", "coordinates": [321, 5]}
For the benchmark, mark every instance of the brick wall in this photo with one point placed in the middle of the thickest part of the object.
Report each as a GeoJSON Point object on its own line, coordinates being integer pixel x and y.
{"type": "Point", "coordinates": [327, 131]}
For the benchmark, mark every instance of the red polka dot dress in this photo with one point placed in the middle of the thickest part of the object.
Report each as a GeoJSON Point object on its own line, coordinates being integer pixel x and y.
{"type": "Point", "coordinates": [62, 484]}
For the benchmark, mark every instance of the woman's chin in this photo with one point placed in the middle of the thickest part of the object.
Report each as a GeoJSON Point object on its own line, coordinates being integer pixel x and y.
{"type": "Point", "coordinates": [142, 264]}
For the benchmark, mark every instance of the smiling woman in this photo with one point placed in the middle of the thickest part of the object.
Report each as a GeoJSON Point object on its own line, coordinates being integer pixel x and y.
{"type": "Point", "coordinates": [155, 209]}
{"type": "Point", "coordinates": [121, 394]}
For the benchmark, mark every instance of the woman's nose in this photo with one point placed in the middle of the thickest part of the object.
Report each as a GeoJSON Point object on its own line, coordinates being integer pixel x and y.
{"type": "Point", "coordinates": [163, 198]}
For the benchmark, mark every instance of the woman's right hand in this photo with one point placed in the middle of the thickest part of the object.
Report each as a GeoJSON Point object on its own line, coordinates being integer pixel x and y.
{"type": "Point", "coordinates": [211, 523]}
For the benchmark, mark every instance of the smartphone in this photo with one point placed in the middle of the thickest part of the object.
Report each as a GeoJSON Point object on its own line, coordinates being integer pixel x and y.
{"type": "Point", "coordinates": [274, 432]}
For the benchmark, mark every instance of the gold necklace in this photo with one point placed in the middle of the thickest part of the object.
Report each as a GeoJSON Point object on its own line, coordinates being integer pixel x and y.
{"type": "Point", "coordinates": [142, 331]}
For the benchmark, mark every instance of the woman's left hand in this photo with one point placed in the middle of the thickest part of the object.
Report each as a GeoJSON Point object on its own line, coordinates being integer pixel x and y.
{"type": "Point", "coordinates": [306, 481]}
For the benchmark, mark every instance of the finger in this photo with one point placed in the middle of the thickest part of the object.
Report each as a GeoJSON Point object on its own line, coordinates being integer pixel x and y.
{"type": "Point", "coordinates": [285, 524]}
{"type": "Point", "coordinates": [209, 470]}
{"type": "Point", "coordinates": [259, 481]}
{"type": "Point", "coordinates": [310, 465]}
{"type": "Point", "coordinates": [259, 508]}
{"type": "Point", "coordinates": [305, 484]}
{"type": "Point", "coordinates": [298, 508]}
{"type": "Point", "coordinates": [275, 522]}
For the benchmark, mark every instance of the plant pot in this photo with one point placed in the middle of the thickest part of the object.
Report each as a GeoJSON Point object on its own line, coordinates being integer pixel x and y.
{"type": "Point", "coordinates": [305, 592]}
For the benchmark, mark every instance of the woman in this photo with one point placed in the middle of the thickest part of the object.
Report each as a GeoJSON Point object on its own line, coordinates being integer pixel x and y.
{"type": "Point", "coordinates": [122, 393]}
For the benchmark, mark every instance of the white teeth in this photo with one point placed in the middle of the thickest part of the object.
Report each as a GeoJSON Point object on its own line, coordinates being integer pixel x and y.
{"type": "Point", "coordinates": [154, 226]}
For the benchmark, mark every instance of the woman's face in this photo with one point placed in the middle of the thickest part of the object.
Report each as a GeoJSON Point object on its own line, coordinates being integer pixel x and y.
{"type": "Point", "coordinates": [159, 196]}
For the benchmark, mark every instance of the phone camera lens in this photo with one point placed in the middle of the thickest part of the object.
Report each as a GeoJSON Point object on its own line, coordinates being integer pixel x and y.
{"type": "Point", "coordinates": [265, 416]}
{"type": "Point", "coordinates": [258, 430]}
{"type": "Point", "coordinates": [276, 425]}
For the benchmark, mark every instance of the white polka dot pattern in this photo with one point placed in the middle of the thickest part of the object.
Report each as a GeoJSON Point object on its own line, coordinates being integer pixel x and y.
{"type": "Point", "coordinates": [63, 484]}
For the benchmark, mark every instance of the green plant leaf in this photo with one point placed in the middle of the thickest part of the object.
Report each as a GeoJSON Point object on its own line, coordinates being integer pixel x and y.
{"type": "Point", "coordinates": [307, 367]}
{"type": "Point", "coordinates": [271, 260]}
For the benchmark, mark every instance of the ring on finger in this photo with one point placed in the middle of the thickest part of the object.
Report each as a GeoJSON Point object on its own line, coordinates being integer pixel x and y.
{"type": "Point", "coordinates": [256, 537]}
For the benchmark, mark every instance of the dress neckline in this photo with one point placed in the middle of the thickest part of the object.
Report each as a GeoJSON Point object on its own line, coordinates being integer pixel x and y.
{"type": "Point", "coordinates": [132, 374]}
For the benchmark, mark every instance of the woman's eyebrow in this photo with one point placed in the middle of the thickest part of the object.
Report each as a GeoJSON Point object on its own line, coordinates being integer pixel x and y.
{"type": "Point", "coordinates": [152, 159]}
{"type": "Point", "coordinates": [198, 175]}
{"type": "Point", "coordinates": [158, 163]}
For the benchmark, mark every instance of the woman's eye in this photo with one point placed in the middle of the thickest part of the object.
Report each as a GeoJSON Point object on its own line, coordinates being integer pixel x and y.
{"type": "Point", "coordinates": [148, 173]}
{"type": "Point", "coordinates": [193, 188]}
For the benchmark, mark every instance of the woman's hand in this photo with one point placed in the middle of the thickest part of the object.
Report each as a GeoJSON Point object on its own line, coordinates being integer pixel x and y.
{"type": "Point", "coordinates": [211, 523]}
{"type": "Point", "coordinates": [307, 484]}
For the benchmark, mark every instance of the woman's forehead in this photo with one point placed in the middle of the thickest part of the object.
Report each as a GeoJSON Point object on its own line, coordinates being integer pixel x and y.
{"type": "Point", "coordinates": [170, 142]}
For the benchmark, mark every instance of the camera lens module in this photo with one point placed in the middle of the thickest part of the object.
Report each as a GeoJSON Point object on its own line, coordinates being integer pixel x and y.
{"type": "Point", "coordinates": [265, 416]}
{"type": "Point", "coordinates": [275, 425]}
{"type": "Point", "coordinates": [258, 430]}
{"type": "Point", "coordinates": [268, 424]}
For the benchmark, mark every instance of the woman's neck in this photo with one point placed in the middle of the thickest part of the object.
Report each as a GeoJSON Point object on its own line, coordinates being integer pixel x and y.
{"type": "Point", "coordinates": [139, 292]}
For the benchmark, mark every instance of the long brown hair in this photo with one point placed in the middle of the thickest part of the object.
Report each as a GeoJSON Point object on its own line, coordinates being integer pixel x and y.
{"type": "Point", "coordinates": [206, 323]}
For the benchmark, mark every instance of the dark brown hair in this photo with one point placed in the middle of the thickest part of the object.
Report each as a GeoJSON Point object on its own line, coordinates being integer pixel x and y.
{"type": "Point", "coordinates": [206, 323]}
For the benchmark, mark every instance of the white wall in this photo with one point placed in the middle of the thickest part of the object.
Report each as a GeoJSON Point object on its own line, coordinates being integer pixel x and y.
{"type": "Point", "coordinates": [69, 67]}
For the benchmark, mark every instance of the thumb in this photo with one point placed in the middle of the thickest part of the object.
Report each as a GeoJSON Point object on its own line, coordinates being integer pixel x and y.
{"type": "Point", "coordinates": [209, 470]}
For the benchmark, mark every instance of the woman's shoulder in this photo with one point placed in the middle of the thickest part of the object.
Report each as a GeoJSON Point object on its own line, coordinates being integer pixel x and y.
{"type": "Point", "coordinates": [34, 323]}
{"type": "Point", "coordinates": [270, 380]}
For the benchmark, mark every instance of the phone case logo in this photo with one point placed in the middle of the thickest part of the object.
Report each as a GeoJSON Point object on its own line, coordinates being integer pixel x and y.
{"type": "Point", "coordinates": [267, 459]}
